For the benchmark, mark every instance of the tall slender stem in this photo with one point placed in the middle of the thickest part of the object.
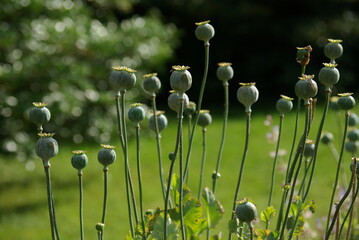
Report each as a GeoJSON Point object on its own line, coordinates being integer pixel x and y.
{"type": "Point", "coordinates": [337, 171]}
{"type": "Point", "coordinates": [349, 210]}
{"type": "Point", "coordinates": [139, 175]}
{"type": "Point", "coordinates": [242, 165]}
{"type": "Point", "coordinates": [204, 149]}
{"type": "Point", "coordinates": [81, 205]}
{"type": "Point", "coordinates": [158, 143]}
{"type": "Point", "coordinates": [104, 206]}
{"type": "Point", "coordinates": [49, 198]}
{"type": "Point", "coordinates": [223, 137]}
{"type": "Point", "coordinates": [199, 105]}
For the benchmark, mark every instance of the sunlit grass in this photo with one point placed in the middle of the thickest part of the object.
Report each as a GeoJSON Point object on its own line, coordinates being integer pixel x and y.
{"type": "Point", "coordinates": [23, 205]}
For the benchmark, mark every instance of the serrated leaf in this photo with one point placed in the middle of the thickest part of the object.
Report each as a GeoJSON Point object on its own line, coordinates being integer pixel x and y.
{"type": "Point", "coordinates": [299, 228]}
{"type": "Point", "coordinates": [267, 214]}
{"type": "Point", "coordinates": [175, 190]}
{"type": "Point", "coordinates": [233, 225]}
{"type": "Point", "coordinates": [192, 213]}
{"type": "Point", "coordinates": [212, 208]}
{"type": "Point", "coordinates": [158, 231]}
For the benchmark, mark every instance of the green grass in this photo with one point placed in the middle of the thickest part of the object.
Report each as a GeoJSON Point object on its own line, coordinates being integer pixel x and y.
{"type": "Point", "coordinates": [23, 205]}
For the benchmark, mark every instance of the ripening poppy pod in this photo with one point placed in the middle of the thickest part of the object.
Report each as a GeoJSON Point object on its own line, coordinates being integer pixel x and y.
{"type": "Point", "coordinates": [136, 113]}
{"type": "Point", "coordinates": [39, 114]}
{"type": "Point", "coordinates": [204, 118]}
{"type": "Point", "coordinates": [306, 88]}
{"type": "Point", "coordinates": [329, 75]}
{"type": "Point", "coordinates": [353, 120]}
{"type": "Point", "coordinates": [346, 101]}
{"type": "Point", "coordinates": [46, 147]}
{"type": "Point", "coordinates": [327, 138]}
{"type": "Point", "coordinates": [247, 94]}
{"type": "Point", "coordinates": [151, 83]}
{"type": "Point", "coordinates": [353, 135]}
{"type": "Point", "coordinates": [333, 49]}
{"type": "Point", "coordinates": [174, 101]}
{"type": "Point", "coordinates": [284, 105]}
{"type": "Point", "coordinates": [106, 155]}
{"type": "Point", "coordinates": [204, 31]}
{"type": "Point", "coordinates": [246, 212]}
{"type": "Point", "coordinates": [122, 78]}
{"type": "Point", "coordinates": [309, 148]}
{"type": "Point", "coordinates": [180, 79]}
{"type": "Point", "coordinates": [225, 71]}
{"type": "Point", "coordinates": [79, 160]}
{"type": "Point", "coordinates": [303, 55]}
{"type": "Point", "coordinates": [352, 147]}
{"type": "Point", "coordinates": [162, 121]}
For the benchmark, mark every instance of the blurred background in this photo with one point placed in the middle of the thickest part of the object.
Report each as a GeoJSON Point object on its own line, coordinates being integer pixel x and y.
{"type": "Point", "coordinates": [61, 52]}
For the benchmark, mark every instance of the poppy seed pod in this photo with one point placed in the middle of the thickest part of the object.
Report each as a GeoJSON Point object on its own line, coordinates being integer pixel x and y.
{"type": "Point", "coordinates": [303, 55]}
{"type": "Point", "coordinates": [151, 83]}
{"type": "Point", "coordinates": [346, 101]}
{"type": "Point", "coordinates": [353, 135]}
{"type": "Point", "coordinates": [204, 31]}
{"type": "Point", "coordinates": [284, 105]}
{"type": "Point", "coordinates": [225, 71]}
{"type": "Point", "coordinates": [46, 147]}
{"type": "Point", "coordinates": [106, 155]}
{"type": "Point", "coordinates": [39, 114]}
{"type": "Point", "coordinates": [136, 113]}
{"type": "Point", "coordinates": [327, 138]}
{"type": "Point", "coordinates": [246, 212]}
{"type": "Point", "coordinates": [333, 49]}
{"type": "Point", "coordinates": [333, 104]}
{"type": "Point", "coordinates": [79, 160]}
{"type": "Point", "coordinates": [162, 121]}
{"type": "Point", "coordinates": [180, 79]}
{"type": "Point", "coordinates": [353, 120]}
{"type": "Point", "coordinates": [204, 118]}
{"type": "Point", "coordinates": [329, 74]}
{"type": "Point", "coordinates": [174, 101]}
{"type": "Point", "coordinates": [247, 94]}
{"type": "Point", "coordinates": [352, 147]}
{"type": "Point", "coordinates": [306, 88]}
{"type": "Point", "coordinates": [122, 78]}
{"type": "Point", "coordinates": [309, 148]}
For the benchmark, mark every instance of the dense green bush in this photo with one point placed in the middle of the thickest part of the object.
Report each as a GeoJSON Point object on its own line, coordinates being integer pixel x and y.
{"type": "Point", "coordinates": [60, 52]}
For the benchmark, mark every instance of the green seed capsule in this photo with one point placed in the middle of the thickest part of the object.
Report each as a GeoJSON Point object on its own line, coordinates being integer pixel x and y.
{"type": "Point", "coordinates": [247, 94]}
{"type": "Point", "coordinates": [333, 49]}
{"type": "Point", "coordinates": [162, 121]}
{"type": "Point", "coordinates": [39, 114]}
{"type": "Point", "coordinates": [204, 118]}
{"type": "Point", "coordinates": [46, 147]}
{"type": "Point", "coordinates": [225, 71]}
{"type": "Point", "coordinates": [329, 74]}
{"type": "Point", "coordinates": [204, 31]}
{"type": "Point", "coordinates": [246, 212]}
{"type": "Point", "coordinates": [306, 88]}
{"type": "Point", "coordinates": [136, 113]}
{"type": "Point", "coordinates": [327, 138]}
{"type": "Point", "coordinates": [333, 104]}
{"type": "Point", "coordinates": [106, 155]}
{"type": "Point", "coordinates": [346, 101]}
{"type": "Point", "coordinates": [353, 120]}
{"type": "Point", "coordinates": [151, 83]}
{"type": "Point", "coordinates": [303, 55]}
{"type": "Point", "coordinates": [352, 147]}
{"type": "Point", "coordinates": [122, 78]}
{"type": "Point", "coordinates": [174, 101]}
{"type": "Point", "coordinates": [353, 135]}
{"type": "Point", "coordinates": [309, 148]}
{"type": "Point", "coordinates": [79, 160]}
{"type": "Point", "coordinates": [284, 105]}
{"type": "Point", "coordinates": [190, 109]}
{"type": "Point", "coordinates": [180, 79]}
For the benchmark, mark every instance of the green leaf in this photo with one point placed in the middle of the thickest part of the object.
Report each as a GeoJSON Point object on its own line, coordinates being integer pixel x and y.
{"type": "Point", "coordinates": [233, 225]}
{"type": "Point", "coordinates": [175, 190]}
{"type": "Point", "coordinates": [212, 208]}
{"type": "Point", "coordinates": [267, 214]}
{"type": "Point", "coordinates": [171, 229]}
{"type": "Point", "coordinates": [192, 213]}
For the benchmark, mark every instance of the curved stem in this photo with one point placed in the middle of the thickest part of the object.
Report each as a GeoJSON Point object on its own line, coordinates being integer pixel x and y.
{"type": "Point", "coordinates": [338, 170]}
{"type": "Point", "coordinates": [242, 166]}
{"type": "Point", "coordinates": [349, 210]}
{"type": "Point", "coordinates": [139, 175]}
{"type": "Point", "coordinates": [224, 129]}
{"type": "Point", "coordinates": [49, 199]}
{"type": "Point", "coordinates": [204, 149]}
{"type": "Point", "coordinates": [158, 142]}
{"type": "Point", "coordinates": [199, 106]}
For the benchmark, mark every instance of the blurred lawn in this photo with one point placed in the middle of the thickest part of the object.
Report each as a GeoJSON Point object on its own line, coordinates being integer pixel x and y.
{"type": "Point", "coordinates": [23, 206]}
